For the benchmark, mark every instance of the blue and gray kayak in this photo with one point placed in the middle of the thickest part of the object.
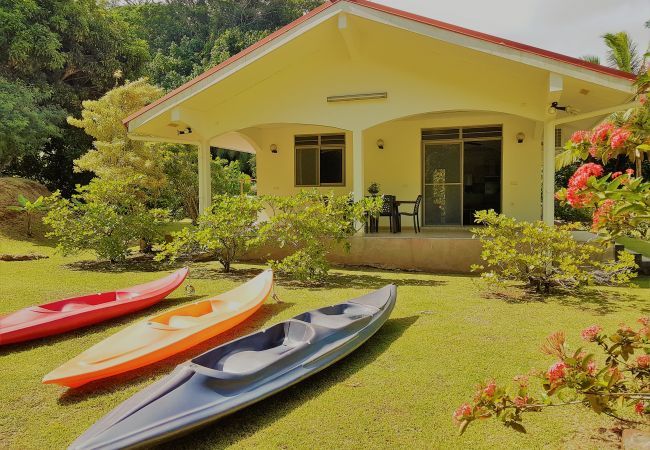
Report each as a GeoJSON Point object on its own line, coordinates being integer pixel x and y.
{"type": "Point", "coordinates": [240, 373]}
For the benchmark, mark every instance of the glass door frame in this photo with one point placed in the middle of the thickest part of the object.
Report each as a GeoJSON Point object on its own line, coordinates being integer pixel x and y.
{"type": "Point", "coordinates": [460, 141]}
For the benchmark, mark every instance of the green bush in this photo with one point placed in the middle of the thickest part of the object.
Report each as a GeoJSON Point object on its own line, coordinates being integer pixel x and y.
{"type": "Point", "coordinates": [223, 233]}
{"type": "Point", "coordinates": [311, 225]}
{"type": "Point", "coordinates": [543, 257]}
{"type": "Point", "coordinates": [106, 217]}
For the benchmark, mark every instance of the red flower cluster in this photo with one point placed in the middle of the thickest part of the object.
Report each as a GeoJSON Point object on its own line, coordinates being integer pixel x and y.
{"type": "Point", "coordinates": [578, 182]}
{"type": "Point", "coordinates": [556, 372]}
{"type": "Point", "coordinates": [589, 334]}
{"type": "Point", "coordinates": [600, 215]}
{"type": "Point", "coordinates": [640, 408]}
{"type": "Point", "coordinates": [464, 411]}
{"type": "Point", "coordinates": [490, 389]}
{"type": "Point", "coordinates": [619, 137]}
{"type": "Point", "coordinates": [580, 136]}
{"type": "Point", "coordinates": [643, 361]}
{"type": "Point", "coordinates": [601, 132]}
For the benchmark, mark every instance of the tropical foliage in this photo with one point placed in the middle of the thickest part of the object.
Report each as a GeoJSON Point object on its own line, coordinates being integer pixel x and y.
{"type": "Point", "coordinates": [310, 225]}
{"type": "Point", "coordinates": [615, 381]}
{"type": "Point", "coordinates": [29, 209]}
{"type": "Point", "coordinates": [224, 233]}
{"type": "Point", "coordinates": [543, 257]}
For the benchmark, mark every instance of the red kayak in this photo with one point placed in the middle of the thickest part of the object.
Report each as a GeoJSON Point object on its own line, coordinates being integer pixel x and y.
{"type": "Point", "coordinates": [76, 312]}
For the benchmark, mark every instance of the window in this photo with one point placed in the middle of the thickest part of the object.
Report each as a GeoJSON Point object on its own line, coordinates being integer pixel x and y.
{"type": "Point", "coordinates": [320, 160]}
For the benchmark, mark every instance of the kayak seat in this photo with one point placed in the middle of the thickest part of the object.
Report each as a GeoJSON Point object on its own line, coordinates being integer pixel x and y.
{"type": "Point", "coordinates": [73, 306]}
{"type": "Point", "coordinates": [336, 317]}
{"type": "Point", "coordinates": [183, 321]}
{"type": "Point", "coordinates": [271, 346]}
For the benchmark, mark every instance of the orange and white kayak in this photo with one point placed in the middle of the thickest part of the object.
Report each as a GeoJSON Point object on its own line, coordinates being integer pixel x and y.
{"type": "Point", "coordinates": [161, 336]}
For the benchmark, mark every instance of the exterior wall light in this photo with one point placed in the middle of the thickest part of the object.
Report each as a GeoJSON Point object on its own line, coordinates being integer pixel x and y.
{"type": "Point", "coordinates": [380, 144]}
{"type": "Point", "coordinates": [274, 148]}
{"type": "Point", "coordinates": [520, 137]}
{"type": "Point", "coordinates": [187, 130]}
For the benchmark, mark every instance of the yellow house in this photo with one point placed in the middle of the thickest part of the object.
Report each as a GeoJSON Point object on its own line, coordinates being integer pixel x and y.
{"type": "Point", "coordinates": [356, 92]}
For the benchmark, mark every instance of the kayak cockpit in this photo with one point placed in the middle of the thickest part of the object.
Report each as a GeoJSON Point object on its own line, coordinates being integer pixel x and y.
{"type": "Point", "coordinates": [187, 316]}
{"type": "Point", "coordinates": [261, 353]}
{"type": "Point", "coordinates": [73, 304]}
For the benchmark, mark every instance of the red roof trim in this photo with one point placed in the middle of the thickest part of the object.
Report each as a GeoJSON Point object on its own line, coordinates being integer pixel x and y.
{"type": "Point", "coordinates": [398, 13]}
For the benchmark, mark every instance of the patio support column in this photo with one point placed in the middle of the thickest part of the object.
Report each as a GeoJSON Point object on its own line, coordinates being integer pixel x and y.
{"type": "Point", "coordinates": [357, 164]}
{"type": "Point", "coordinates": [548, 190]}
{"type": "Point", "coordinates": [205, 176]}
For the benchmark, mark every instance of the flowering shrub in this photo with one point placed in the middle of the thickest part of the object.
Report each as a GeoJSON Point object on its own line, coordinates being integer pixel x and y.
{"type": "Point", "coordinates": [620, 200]}
{"type": "Point", "coordinates": [612, 385]}
{"type": "Point", "coordinates": [543, 257]}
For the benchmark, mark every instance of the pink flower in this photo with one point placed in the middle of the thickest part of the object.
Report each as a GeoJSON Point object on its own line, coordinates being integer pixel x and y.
{"type": "Point", "coordinates": [580, 136]}
{"type": "Point", "coordinates": [644, 321]}
{"type": "Point", "coordinates": [600, 215]}
{"type": "Point", "coordinates": [593, 151]}
{"type": "Point", "coordinates": [630, 172]}
{"type": "Point", "coordinates": [591, 368]}
{"type": "Point", "coordinates": [643, 361]}
{"type": "Point", "coordinates": [619, 137]}
{"type": "Point", "coordinates": [601, 132]}
{"type": "Point", "coordinates": [556, 372]}
{"type": "Point", "coordinates": [520, 402]}
{"type": "Point", "coordinates": [616, 175]}
{"type": "Point", "coordinates": [464, 411]}
{"type": "Point", "coordinates": [639, 408]}
{"type": "Point", "coordinates": [643, 99]}
{"type": "Point", "coordinates": [589, 334]}
{"type": "Point", "coordinates": [490, 389]}
{"type": "Point", "coordinates": [578, 182]}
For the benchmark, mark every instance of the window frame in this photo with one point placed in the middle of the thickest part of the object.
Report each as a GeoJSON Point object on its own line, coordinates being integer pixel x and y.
{"type": "Point", "coordinates": [320, 146]}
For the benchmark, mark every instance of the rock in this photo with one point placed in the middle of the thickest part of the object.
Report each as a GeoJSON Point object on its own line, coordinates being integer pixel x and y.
{"type": "Point", "coordinates": [636, 440]}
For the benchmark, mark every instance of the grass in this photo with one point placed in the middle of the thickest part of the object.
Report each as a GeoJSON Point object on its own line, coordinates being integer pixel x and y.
{"type": "Point", "coordinates": [636, 245]}
{"type": "Point", "coordinates": [397, 391]}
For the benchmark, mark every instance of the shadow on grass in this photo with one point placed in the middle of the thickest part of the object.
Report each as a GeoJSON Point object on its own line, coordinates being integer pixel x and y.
{"type": "Point", "coordinates": [104, 386]}
{"type": "Point", "coordinates": [230, 430]}
{"type": "Point", "coordinates": [136, 263]}
{"type": "Point", "coordinates": [598, 300]}
{"type": "Point", "coordinates": [357, 279]}
{"type": "Point", "coordinates": [98, 327]}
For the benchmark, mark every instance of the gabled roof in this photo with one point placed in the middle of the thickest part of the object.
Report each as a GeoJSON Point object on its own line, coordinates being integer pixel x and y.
{"type": "Point", "coordinates": [549, 55]}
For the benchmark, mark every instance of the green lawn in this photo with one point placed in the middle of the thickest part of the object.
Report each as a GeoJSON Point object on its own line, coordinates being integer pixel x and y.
{"type": "Point", "coordinates": [397, 391]}
{"type": "Point", "coordinates": [636, 245]}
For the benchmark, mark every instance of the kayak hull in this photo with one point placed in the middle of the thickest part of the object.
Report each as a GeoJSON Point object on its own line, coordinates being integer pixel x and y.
{"type": "Point", "coordinates": [159, 337]}
{"type": "Point", "coordinates": [218, 382]}
{"type": "Point", "coordinates": [77, 312]}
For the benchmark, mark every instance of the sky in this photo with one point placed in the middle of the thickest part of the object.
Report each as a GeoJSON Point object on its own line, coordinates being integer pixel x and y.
{"type": "Point", "coordinates": [571, 27]}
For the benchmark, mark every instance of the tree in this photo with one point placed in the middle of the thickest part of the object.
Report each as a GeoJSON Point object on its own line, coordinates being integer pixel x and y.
{"type": "Point", "coordinates": [29, 209]}
{"type": "Point", "coordinates": [622, 52]}
{"type": "Point", "coordinates": [27, 120]}
{"type": "Point", "coordinates": [115, 156]}
{"type": "Point", "coordinates": [66, 51]}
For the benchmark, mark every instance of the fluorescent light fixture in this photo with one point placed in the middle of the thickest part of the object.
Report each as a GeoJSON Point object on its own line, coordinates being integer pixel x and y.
{"type": "Point", "coordinates": [354, 97]}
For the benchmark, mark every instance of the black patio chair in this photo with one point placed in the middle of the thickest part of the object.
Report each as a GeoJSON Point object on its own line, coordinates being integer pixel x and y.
{"type": "Point", "coordinates": [388, 209]}
{"type": "Point", "coordinates": [415, 214]}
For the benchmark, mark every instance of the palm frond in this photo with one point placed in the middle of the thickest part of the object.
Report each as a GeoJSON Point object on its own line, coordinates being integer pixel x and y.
{"type": "Point", "coordinates": [591, 58]}
{"type": "Point", "coordinates": [622, 53]}
{"type": "Point", "coordinates": [564, 159]}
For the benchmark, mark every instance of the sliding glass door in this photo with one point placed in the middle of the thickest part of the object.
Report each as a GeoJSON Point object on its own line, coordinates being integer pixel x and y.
{"type": "Point", "coordinates": [461, 174]}
{"type": "Point", "coordinates": [442, 183]}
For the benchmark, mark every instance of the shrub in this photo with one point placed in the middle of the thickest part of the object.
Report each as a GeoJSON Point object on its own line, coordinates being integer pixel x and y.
{"type": "Point", "coordinates": [543, 257]}
{"type": "Point", "coordinates": [106, 216]}
{"type": "Point", "coordinates": [311, 225]}
{"type": "Point", "coordinates": [622, 382]}
{"type": "Point", "coordinates": [223, 233]}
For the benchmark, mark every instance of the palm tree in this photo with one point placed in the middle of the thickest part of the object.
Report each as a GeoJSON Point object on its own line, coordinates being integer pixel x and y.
{"type": "Point", "coordinates": [591, 58]}
{"type": "Point", "coordinates": [622, 52]}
